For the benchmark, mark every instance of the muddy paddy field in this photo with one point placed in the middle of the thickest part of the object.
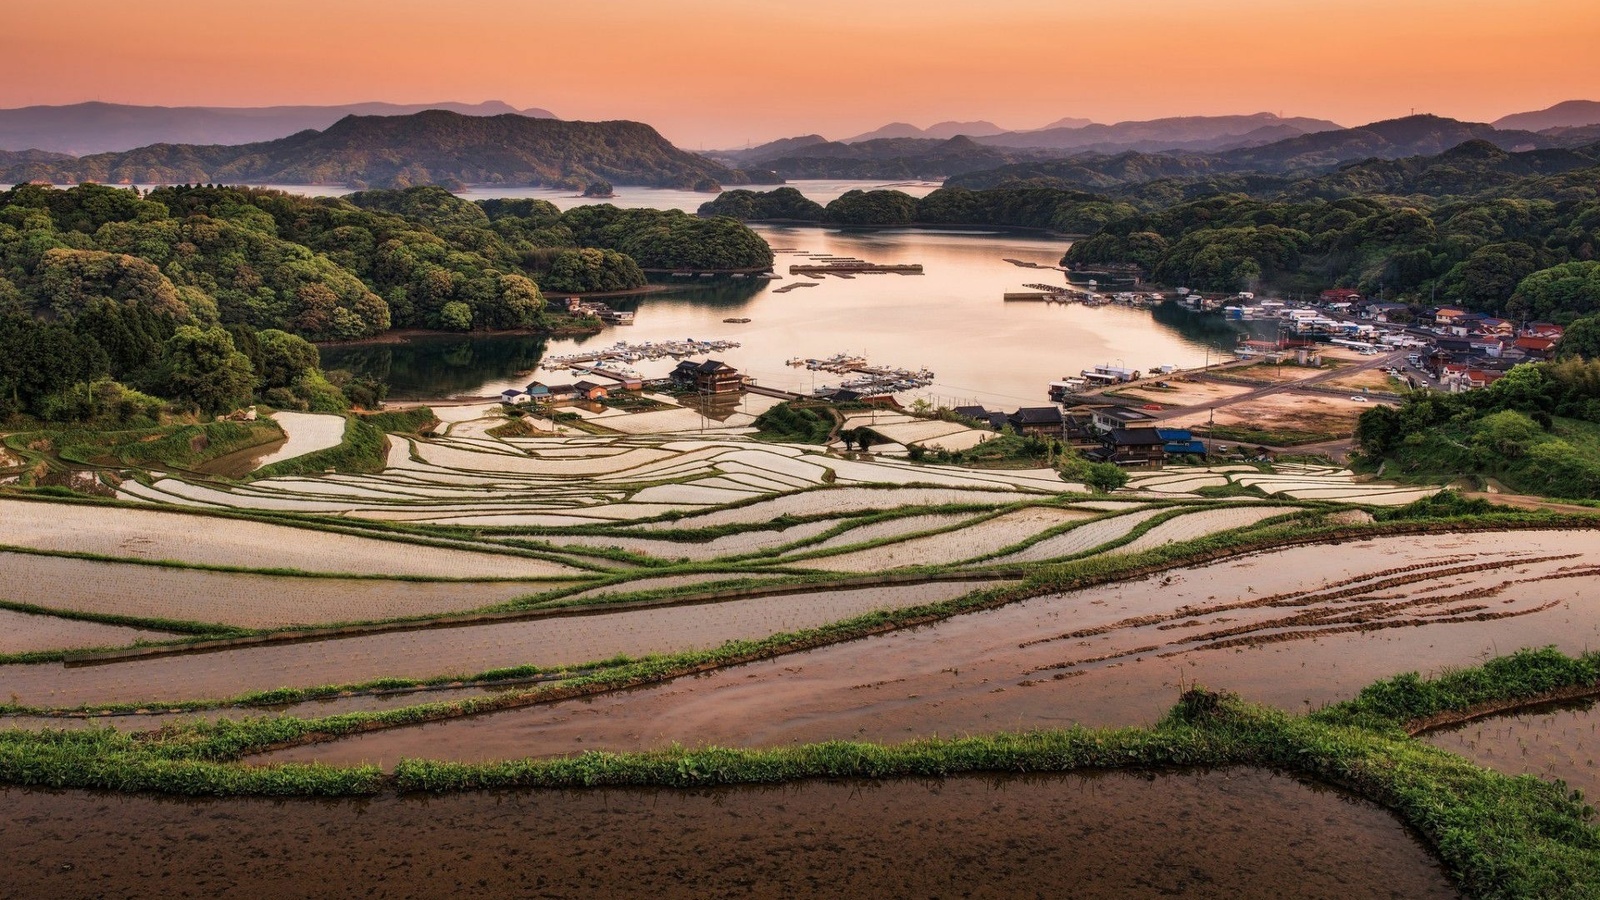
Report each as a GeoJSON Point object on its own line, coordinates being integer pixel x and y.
{"type": "Point", "coordinates": [1213, 834]}
{"type": "Point", "coordinates": [1297, 629]}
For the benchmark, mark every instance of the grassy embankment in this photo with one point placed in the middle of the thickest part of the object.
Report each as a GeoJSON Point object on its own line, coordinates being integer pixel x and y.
{"type": "Point", "coordinates": [1498, 836]}
{"type": "Point", "coordinates": [183, 446]}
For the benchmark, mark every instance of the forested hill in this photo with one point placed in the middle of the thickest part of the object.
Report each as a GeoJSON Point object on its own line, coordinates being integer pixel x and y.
{"type": "Point", "coordinates": [1296, 157]}
{"type": "Point", "coordinates": [432, 147]}
{"type": "Point", "coordinates": [175, 293]}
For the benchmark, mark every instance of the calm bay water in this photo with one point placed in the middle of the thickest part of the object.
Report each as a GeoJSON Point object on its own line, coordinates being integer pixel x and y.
{"type": "Point", "coordinates": [952, 319]}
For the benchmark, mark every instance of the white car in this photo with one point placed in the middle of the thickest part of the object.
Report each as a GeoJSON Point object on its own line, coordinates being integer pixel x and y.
{"type": "Point", "coordinates": [1359, 399]}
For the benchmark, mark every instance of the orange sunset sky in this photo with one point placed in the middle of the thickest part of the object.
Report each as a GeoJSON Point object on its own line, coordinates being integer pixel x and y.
{"type": "Point", "coordinates": [718, 73]}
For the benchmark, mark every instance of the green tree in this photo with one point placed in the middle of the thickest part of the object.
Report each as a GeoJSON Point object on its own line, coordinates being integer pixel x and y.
{"type": "Point", "coordinates": [456, 316]}
{"type": "Point", "coordinates": [1581, 341]}
{"type": "Point", "coordinates": [202, 369]}
{"type": "Point", "coordinates": [284, 358]}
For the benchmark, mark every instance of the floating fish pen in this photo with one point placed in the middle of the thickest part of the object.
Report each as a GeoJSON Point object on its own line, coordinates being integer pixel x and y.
{"type": "Point", "coordinates": [798, 284]}
{"type": "Point", "coordinates": [855, 268]}
{"type": "Point", "coordinates": [869, 379]}
{"type": "Point", "coordinates": [622, 351]}
{"type": "Point", "coordinates": [1049, 293]}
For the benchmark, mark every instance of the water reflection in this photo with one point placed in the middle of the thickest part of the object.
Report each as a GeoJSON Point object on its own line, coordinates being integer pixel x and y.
{"type": "Point", "coordinates": [439, 365]}
{"type": "Point", "coordinates": [953, 320]}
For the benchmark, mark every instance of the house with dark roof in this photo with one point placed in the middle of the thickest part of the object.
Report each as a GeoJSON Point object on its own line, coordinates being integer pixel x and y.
{"type": "Point", "coordinates": [1137, 447]}
{"type": "Point", "coordinates": [588, 390]}
{"type": "Point", "coordinates": [1045, 421]}
{"type": "Point", "coordinates": [562, 393]}
{"type": "Point", "coordinates": [710, 377]}
{"type": "Point", "coordinates": [995, 419]}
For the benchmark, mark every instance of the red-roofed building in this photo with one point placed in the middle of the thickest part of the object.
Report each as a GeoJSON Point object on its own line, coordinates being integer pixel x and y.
{"type": "Point", "coordinates": [1535, 346]}
{"type": "Point", "coordinates": [1340, 295]}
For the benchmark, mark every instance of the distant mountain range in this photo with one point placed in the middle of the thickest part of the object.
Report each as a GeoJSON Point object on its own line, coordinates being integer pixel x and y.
{"type": "Point", "coordinates": [1260, 142]}
{"type": "Point", "coordinates": [85, 128]}
{"type": "Point", "coordinates": [432, 147]}
{"type": "Point", "coordinates": [1186, 132]}
{"type": "Point", "coordinates": [906, 151]}
{"type": "Point", "coordinates": [1571, 114]}
{"type": "Point", "coordinates": [940, 131]}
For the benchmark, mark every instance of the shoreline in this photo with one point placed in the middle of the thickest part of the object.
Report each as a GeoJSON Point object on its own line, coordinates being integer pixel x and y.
{"type": "Point", "coordinates": [405, 335]}
{"type": "Point", "coordinates": [920, 226]}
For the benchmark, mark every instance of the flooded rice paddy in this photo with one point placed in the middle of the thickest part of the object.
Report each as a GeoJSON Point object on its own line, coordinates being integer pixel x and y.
{"type": "Point", "coordinates": [22, 632]}
{"type": "Point", "coordinates": [1552, 741]}
{"type": "Point", "coordinates": [461, 650]}
{"type": "Point", "coordinates": [1297, 628]}
{"type": "Point", "coordinates": [168, 535]}
{"type": "Point", "coordinates": [247, 600]}
{"type": "Point", "coordinates": [1233, 833]}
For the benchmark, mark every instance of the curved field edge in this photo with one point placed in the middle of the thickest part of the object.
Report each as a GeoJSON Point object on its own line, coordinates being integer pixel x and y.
{"type": "Point", "coordinates": [624, 673]}
{"type": "Point", "coordinates": [1498, 836]}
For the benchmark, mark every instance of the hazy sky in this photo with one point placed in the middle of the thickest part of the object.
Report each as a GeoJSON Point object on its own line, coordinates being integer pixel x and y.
{"type": "Point", "coordinates": [716, 73]}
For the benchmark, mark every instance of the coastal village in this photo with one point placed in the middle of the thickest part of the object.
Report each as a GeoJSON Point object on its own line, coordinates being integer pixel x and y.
{"type": "Point", "coordinates": [1299, 375]}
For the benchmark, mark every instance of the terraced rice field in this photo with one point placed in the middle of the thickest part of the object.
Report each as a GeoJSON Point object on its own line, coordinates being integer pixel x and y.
{"type": "Point", "coordinates": [716, 548]}
{"type": "Point", "coordinates": [1292, 481]}
{"type": "Point", "coordinates": [307, 433]}
{"type": "Point", "coordinates": [979, 539]}
{"type": "Point", "coordinates": [1199, 524]}
{"type": "Point", "coordinates": [463, 650]}
{"type": "Point", "coordinates": [22, 632]}
{"type": "Point", "coordinates": [245, 600]}
{"type": "Point", "coordinates": [1079, 540]}
{"type": "Point", "coordinates": [213, 541]}
{"type": "Point", "coordinates": [1295, 628]}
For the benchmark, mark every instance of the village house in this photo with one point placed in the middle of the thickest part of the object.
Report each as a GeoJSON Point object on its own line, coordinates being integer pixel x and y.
{"type": "Point", "coordinates": [1044, 421]}
{"type": "Point", "coordinates": [1501, 327]}
{"type": "Point", "coordinates": [710, 377]}
{"type": "Point", "coordinates": [1110, 418]}
{"type": "Point", "coordinates": [562, 393]}
{"type": "Point", "coordinates": [1456, 378]}
{"type": "Point", "coordinates": [1535, 347]}
{"type": "Point", "coordinates": [588, 390]}
{"type": "Point", "coordinates": [1389, 312]}
{"type": "Point", "coordinates": [1339, 295]}
{"type": "Point", "coordinates": [1543, 330]}
{"type": "Point", "coordinates": [995, 419]}
{"type": "Point", "coordinates": [1132, 448]}
{"type": "Point", "coordinates": [538, 393]}
{"type": "Point", "coordinates": [513, 396]}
